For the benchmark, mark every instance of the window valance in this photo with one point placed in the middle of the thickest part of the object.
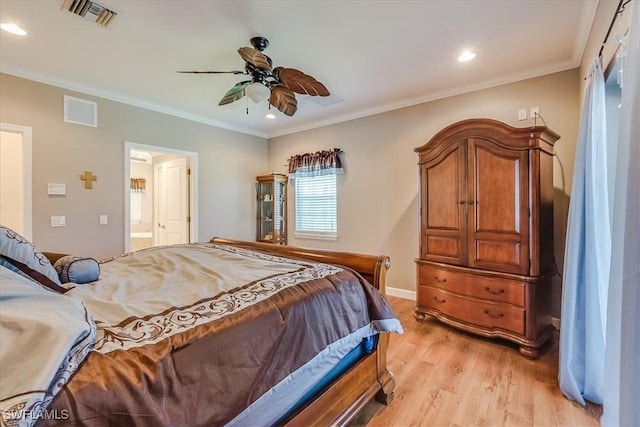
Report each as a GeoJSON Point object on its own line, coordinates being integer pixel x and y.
{"type": "Point", "coordinates": [138, 184]}
{"type": "Point", "coordinates": [326, 162]}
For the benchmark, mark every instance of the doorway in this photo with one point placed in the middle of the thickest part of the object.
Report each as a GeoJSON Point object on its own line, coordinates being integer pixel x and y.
{"type": "Point", "coordinates": [160, 196]}
{"type": "Point", "coordinates": [15, 179]}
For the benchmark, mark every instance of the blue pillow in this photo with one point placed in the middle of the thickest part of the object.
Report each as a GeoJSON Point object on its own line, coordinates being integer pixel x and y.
{"type": "Point", "coordinates": [17, 248]}
{"type": "Point", "coordinates": [77, 269]}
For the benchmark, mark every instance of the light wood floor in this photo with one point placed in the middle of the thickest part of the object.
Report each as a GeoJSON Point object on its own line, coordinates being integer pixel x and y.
{"type": "Point", "coordinates": [445, 377]}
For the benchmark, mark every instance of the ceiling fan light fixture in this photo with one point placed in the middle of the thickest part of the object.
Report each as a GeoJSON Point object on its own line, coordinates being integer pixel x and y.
{"type": "Point", "coordinates": [257, 92]}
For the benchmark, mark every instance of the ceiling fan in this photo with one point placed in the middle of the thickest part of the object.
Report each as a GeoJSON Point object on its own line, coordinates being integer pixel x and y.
{"type": "Point", "coordinates": [279, 84]}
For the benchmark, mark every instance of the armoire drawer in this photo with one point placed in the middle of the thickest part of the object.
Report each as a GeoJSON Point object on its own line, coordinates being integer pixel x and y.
{"type": "Point", "coordinates": [501, 290]}
{"type": "Point", "coordinates": [478, 312]}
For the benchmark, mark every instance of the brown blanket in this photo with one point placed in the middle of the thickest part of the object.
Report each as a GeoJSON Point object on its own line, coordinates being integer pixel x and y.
{"type": "Point", "coordinates": [153, 370]}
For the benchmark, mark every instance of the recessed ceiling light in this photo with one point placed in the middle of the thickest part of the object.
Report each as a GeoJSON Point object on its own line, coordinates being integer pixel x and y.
{"type": "Point", "coordinates": [270, 116]}
{"type": "Point", "coordinates": [466, 56]}
{"type": "Point", "coordinates": [13, 29]}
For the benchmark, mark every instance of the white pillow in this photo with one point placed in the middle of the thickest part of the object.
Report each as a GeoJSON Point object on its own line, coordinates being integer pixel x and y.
{"type": "Point", "coordinates": [16, 247]}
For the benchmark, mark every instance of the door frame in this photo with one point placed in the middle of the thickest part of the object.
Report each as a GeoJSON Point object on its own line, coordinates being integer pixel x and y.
{"type": "Point", "coordinates": [192, 182]}
{"type": "Point", "coordinates": [27, 180]}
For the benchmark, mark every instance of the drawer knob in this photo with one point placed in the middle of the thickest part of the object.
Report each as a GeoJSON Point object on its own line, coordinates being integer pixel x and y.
{"type": "Point", "coordinates": [439, 280]}
{"type": "Point", "coordinates": [440, 301]}
{"type": "Point", "coordinates": [493, 315]}
{"type": "Point", "coordinates": [488, 289]}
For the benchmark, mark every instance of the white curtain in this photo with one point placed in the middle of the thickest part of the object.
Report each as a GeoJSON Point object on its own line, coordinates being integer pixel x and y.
{"type": "Point", "coordinates": [622, 387]}
{"type": "Point", "coordinates": [587, 255]}
{"type": "Point", "coordinates": [135, 207]}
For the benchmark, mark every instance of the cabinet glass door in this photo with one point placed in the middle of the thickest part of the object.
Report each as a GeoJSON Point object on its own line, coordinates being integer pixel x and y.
{"type": "Point", "coordinates": [265, 211]}
{"type": "Point", "coordinates": [271, 215]}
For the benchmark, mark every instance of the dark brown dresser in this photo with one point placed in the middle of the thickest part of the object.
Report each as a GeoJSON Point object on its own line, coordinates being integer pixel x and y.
{"type": "Point", "coordinates": [486, 231]}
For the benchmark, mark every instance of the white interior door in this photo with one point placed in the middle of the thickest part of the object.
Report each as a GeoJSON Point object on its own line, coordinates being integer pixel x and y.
{"type": "Point", "coordinates": [15, 178]}
{"type": "Point", "coordinates": [172, 198]}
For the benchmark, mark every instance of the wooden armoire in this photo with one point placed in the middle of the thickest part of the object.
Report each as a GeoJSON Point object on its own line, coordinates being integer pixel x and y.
{"type": "Point", "coordinates": [486, 231]}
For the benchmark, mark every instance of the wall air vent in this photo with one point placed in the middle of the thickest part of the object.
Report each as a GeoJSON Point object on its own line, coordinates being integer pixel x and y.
{"type": "Point", "coordinates": [80, 111]}
{"type": "Point", "coordinates": [90, 10]}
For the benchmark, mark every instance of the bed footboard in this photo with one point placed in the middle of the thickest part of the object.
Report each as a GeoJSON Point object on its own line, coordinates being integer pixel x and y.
{"type": "Point", "coordinates": [369, 378]}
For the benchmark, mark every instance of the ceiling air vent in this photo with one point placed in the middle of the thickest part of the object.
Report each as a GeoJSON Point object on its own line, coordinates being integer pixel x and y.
{"type": "Point", "coordinates": [90, 10]}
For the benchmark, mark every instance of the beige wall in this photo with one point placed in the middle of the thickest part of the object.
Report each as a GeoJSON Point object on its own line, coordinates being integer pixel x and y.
{"type": "Point", "coordinates": [377, 195]}
{"type": "Point", "coordinates": [227, 164]}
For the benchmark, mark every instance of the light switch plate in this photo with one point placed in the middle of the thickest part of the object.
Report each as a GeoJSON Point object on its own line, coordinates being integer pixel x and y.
{"type": "Point", "coordinates": [56, 189]}
{"type": "Point", "coordinates": [522, 114]}
{"type": "Point", "coordinates": [103, 220]}
{"type": "Point", "coordinates": [58, 221]}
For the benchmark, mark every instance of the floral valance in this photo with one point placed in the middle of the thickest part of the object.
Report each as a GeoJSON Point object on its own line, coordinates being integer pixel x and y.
{"type": "Point", "coordinates": [138, 184]}
{"type": "Point", "coordinates": [325, 162]}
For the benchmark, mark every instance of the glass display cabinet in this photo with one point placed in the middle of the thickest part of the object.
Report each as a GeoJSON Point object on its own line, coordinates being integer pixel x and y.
{"type": "Point", "coordinates": [272, 208]}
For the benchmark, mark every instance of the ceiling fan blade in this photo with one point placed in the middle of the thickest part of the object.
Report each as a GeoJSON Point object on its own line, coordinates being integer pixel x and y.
{"type": "Point", "coordinates": [213, 72]}
{"type": "Point", "coordinates": [300, 82]}
{"type": "Point", "coordinates": [255, 58]}
{"type": "Point", "coordinates": [235, 93]}
{"type": "Point", "coordinates": [283, 99]}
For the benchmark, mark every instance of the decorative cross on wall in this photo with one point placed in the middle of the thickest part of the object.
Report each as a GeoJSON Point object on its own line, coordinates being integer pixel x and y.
{"type": "Point", "coordinates": [88, 177]}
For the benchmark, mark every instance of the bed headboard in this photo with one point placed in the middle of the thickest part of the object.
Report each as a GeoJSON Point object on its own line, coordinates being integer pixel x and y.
{"type": "Point", "coordinates": [371, 267]}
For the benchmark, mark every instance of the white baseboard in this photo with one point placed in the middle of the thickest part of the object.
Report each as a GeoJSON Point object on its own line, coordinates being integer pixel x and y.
{"type": "Point", "coordinates": [401, 293]}
{"type": "Point", "coordinates": [555, 321]}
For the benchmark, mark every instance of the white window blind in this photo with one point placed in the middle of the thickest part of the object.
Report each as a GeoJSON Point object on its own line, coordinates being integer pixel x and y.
{"type": "Point", "coordinates": [316, 206]}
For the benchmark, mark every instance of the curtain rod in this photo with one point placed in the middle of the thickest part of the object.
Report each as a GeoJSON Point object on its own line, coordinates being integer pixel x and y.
{"type": "Point", "coordinates": [619, 11]}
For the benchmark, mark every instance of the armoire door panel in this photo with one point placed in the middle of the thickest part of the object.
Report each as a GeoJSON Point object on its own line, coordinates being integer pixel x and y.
{"type": "Point", "coordinates": [443, 193]}
{"type": "Point", "coordinates": [497, 192]}
{"type": "Point", "coordinates": [498, 220]}
{"type": "Point", "coordinates": [443, 248]}
{"type": "Point", "coordinates": [501, 255]}
{"type": "Point", "coordinates": [442, 219]}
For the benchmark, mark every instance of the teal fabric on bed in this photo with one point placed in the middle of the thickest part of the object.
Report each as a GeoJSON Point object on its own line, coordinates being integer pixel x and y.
{"type": "Point", "coordinates": [367, 346]}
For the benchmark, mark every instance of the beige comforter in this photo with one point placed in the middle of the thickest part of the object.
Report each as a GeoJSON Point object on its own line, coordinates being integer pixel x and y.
{"type": "Point", "coordinates": [146, 296]}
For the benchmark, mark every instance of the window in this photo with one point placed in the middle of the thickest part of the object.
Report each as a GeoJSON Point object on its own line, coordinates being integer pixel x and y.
{"type": "Point", "coordinates": [316, 206]}
{"type": "Point", "coordinates": [314, 178]}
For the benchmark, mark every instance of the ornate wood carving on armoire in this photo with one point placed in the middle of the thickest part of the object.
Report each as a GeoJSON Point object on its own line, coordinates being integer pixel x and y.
{"type": "Point", "coordinates": [486, 231]}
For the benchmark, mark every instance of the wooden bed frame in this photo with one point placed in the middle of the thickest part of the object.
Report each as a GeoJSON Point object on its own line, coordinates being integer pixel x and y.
{"type": "Point", "coordinates": [339, 402]}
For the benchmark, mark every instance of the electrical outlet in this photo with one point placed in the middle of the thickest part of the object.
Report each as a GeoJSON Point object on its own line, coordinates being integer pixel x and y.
{"type": "Point", "coordinates": [103, 220]}
{"type": "Point", "coordinates": [535, 111]}
{"type": "Point", "coordinates": [522, 114]}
